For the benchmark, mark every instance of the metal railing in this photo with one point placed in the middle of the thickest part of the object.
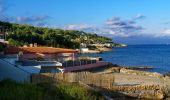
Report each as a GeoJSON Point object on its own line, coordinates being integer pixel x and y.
{"type": "Point", "coordinates": [78, 63]}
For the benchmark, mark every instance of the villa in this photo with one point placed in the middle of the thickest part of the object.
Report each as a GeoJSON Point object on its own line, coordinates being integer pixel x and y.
{"type": "Point", "coordinates": [39, 59]}
{"type": "Point", "coordinates": [21, 62]}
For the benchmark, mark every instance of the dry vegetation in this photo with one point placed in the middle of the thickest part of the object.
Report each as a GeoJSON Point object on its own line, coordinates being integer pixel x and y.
{"type": "Point", "coordinates": [10, 90]}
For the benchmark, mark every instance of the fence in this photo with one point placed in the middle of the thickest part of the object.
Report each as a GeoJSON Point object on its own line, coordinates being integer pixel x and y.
{"type": "Point", "coordinates": [78, 63]}
{"type": "Point", "coordinates": [99, 80]}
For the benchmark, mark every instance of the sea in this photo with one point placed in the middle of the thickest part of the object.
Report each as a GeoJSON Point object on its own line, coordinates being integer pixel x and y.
{"type": "Point", "coordinates": [156, 56]}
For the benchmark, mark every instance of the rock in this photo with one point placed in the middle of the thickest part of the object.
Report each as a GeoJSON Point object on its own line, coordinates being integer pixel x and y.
{"type": "Point", "coordinates": [137, 72]}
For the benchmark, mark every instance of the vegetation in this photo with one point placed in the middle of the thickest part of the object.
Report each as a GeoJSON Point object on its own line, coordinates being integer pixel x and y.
{"type": "Point", "coordinates": [2, 47]}
{"type": "Point", "coordinates": [20, 35]}
{"type": "Point", "coordinates": [10, 90]}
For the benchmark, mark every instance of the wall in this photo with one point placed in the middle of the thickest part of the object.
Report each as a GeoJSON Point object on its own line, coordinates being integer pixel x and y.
{"type": "Point", "coordinates": [8, 70]}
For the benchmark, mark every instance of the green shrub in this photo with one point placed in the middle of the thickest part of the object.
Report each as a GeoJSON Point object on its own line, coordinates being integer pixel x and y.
{"type": "Point", "coordinates": [2, 47]}
{"type": "Point", "coordinates": [78, 92]}
{"type": "Point", "coordinates": [15, 43]}
{"type": "Point", "coordinates": [10, 90]}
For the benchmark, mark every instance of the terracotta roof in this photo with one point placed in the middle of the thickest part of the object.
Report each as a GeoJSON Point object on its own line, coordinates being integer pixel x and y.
{"type": "Point", "coordinates": [43, 50]}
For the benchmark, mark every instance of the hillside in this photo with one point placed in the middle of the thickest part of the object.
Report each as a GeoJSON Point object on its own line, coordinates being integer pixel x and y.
{"type": "Point", "coordinates": [19, 35]}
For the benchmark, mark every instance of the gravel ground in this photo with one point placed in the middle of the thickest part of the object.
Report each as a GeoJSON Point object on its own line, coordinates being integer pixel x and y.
{"type": "Point", "coordinates": [132, 80]}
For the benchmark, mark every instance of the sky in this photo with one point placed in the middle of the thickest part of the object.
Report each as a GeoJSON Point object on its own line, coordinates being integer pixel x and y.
{"type": "Point", "coordinates": [126, 21]}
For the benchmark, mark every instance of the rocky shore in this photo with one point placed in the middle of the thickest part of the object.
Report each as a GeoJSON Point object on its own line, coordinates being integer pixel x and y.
{"type": "Point", "coordinates": [133, 83]}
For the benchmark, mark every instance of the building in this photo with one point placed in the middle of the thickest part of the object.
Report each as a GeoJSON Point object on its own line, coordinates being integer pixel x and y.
{"type": "Point", "coordinates": [84, 49]}
{"type": "Point", "coordinates": [39, 59]}
{"type": "Point", "coordinates": [41, 53]}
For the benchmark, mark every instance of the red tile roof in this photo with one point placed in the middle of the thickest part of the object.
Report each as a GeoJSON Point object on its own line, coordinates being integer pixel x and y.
{"type": "Point", "coordinates": [43, 50]}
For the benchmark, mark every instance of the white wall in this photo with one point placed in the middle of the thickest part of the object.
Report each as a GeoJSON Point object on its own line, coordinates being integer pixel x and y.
{"type": "Point", "coordinates": [10, 71]}
{"type": "Point", "coordinates": [84, 49]}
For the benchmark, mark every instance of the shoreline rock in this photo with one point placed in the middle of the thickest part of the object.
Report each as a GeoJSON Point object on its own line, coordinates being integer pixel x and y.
{"type": "Point", "coordinates": [137, 72]}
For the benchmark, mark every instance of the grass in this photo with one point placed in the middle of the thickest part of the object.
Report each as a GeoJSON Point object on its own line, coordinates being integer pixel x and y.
{"type": "Point", "coordinates": [10, 90]}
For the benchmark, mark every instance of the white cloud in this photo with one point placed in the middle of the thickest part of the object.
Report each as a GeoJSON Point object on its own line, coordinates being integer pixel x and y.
{"type": "Point", "coordinates": [30, 19]}
{"type": "Point", "coordinates": [114, 26]}
{"type": "Point", "coordinates": [40, 20]}
{"type": "Point", "coordinates": [77, 27]}
{"type": "Point", "coordinates": [83, 27]}
{"type": "Point", "coordinates": [139, 16]}
{"type": "Point", "coordinates": [122, 28]}
{"type": "Point", "coordinates": [165, 33]}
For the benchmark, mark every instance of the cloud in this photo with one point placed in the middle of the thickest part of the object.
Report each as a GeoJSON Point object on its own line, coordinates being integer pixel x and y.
{"type": "Point", "coordinates": [77, 27]}
{"type": "Point", "coordinates": [122, 28]}
{"type": "Point", "coordinates": [165, 33]}
{"type": "Point", "coordinates": [82, 27]}
{"type": "Point", "coordinates": [114, 26]}
{"type": "Point", "coordinates": [33, 20]}
{"type": "Point", "coordinates": [139, 16]}
{"type": "Point", "coordinates": [40, 20]}
{"type": "Point", "coordinates": [166, 22]}
{"type": "Point", "coordinates": [26, 19]}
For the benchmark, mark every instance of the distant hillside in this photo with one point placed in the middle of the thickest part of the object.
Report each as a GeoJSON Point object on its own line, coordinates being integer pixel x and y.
{"type": "Point", "coordinates": [19, 35]}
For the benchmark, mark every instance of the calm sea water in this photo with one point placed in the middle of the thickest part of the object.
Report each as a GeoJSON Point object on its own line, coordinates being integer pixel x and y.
{"type": "Point", "coordinates": [156, 56]}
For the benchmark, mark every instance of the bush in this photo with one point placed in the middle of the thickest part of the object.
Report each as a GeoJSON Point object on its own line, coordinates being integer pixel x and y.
{"type": "Point", "coordinates": [10, 90]}
{"type": "Point", "coordinates": [2, 47]}
{"type": "Point", "coordinates": [15, 43]}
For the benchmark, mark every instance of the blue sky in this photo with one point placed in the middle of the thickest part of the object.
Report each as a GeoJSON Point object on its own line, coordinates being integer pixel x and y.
{"type": "Point", "coordinates": [126, 21]}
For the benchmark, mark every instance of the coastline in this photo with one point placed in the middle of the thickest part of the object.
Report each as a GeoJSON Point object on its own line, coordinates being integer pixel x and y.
{"type": "Point", "coordinates": [135, 82]}
{"type": "Point", "coordinates": [156, 56]}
